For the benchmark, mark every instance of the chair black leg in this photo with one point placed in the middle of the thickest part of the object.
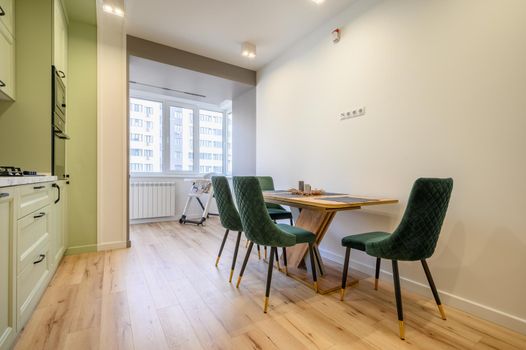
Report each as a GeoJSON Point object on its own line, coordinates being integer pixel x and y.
{"type": "Point", "coordinates": [285, 260]}
{"type": "Point", "coordinates": [345, 272]}
{"type": "Point", "coordinates": [398, 295]}
{"type": "Point", "coordinates": [291, 222]}
{"type": "Point", "coordinates": [222, 246]}
{"type": "Point", "coordinates": [234, 258]}
{"type": "Point", "coordinates": [259, 252]}
{"type": "Point", "coordinates": [277, 259]}
{"type": "Point", "coordinates": [377, 273]}
{"type": "Point", "coordinates": [265, 249]}
{"type": "Point", "coordinates": [433, 289]}
{"type": "Point", "coordinates": [247, 255]}
{"type": "Point", "coordinates": [313, 267]}
{"type": "Point", "coordinates": [269, 277]}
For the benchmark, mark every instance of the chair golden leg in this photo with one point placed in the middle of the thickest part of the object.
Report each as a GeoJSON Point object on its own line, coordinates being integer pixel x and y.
{"type": "Point", "coordinates": [259, 254]}
{"type": "Point", "coordinates": [265, 306]}
{"type": "Point", "coordinates": [265, 253]}
{"type": "Point", "coordinates": [402, 329]}
{"type": "Point", "coordinates": [316, 287]}
{"type": "Point", "coordinates": [442, 313]}
{"type": "Point", "coordinates": [231, 275]}
{"type": "Point", "coordinates": [342, 294]}
{"type": "Point", "coordinates": [238, 281]}
{"type": "Point", "coordinates": [217, 260]}
{"type": "Point", "coordinates": [376, 284]}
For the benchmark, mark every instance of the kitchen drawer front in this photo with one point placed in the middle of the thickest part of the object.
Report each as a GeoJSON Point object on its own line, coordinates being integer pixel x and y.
{"type": "Point", "coordinates": [31, 283]}
{"type": "Point", "coordinates": [7, 15]}
{"type": "Point", "coordinates": [32, 233]}
{"type": "Point", "coordinates": [34, 197]}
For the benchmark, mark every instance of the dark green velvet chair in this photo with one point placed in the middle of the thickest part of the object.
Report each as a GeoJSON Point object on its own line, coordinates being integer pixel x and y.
{"type": "Point", "coordinates": [276, 211]}
{"type": "Point", "coordinates": [261, 229]}
{"type": "Point", "coordinates": [414, 239]}
{"type": "Point", "coordinates": [228, 215]}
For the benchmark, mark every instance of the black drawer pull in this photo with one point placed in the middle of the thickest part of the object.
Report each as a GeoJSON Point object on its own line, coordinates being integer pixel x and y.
{"type": "Point", "coordinates": [39, 187]}
{"type": "Point", "coordinates": [41, 258]}
{"type": "Point", "coordinates": [38, 216]}
{"type": "Point", "coordinates": [2, 84]}
{"type": "Point", "coordinates": [4, 195]}
{"type": "Point", "coordinates": [2, 12]}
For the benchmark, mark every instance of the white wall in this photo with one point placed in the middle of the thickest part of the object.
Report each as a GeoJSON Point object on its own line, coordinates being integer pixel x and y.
{"type": "Point", "coordinates": [111, 131]}
{"type": "Point", "coordinates": [244, 133]}
{"type": "Point", "coordinates": [444, 86]}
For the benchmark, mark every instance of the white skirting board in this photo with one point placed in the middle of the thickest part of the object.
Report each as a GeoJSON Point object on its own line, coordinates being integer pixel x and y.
{"type": "Point", "coordinates": [512, 322]}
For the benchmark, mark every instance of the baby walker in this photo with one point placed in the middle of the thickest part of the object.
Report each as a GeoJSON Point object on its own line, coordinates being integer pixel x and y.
{"type": "Point", "coordinates": [200, 187]}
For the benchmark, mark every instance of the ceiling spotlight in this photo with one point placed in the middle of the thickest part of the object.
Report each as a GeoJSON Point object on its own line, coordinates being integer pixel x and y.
{"type": "Point", "coordinates": [113, 10]}
{"type": "Point", "coordinates": [248, 50]}
{"type": "Point", "coordinates": [318, 2]}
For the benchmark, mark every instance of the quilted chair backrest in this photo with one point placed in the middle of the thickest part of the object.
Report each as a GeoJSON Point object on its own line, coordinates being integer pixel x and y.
{"type": "Point", "coordinates": [267, 184]}
{"type": "Point", "coordinates": [417, 235]}
{"type": "Point", "coordinates": [257, 224]}
{"type": "Point", "coordinates": [228, 213]}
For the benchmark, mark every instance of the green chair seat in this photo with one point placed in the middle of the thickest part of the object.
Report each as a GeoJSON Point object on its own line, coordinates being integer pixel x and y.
{"type": "Point", "coordinates": [360, 241]}
{"type": "Point", "coordinates": [302, 236]}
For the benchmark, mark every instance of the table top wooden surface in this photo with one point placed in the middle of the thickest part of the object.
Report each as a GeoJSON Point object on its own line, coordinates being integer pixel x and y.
{"type": "Point", "coordinates": [327, 202]}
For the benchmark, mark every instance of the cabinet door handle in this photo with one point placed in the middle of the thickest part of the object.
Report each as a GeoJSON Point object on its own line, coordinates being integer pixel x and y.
{"type": "Point", "coordinates": [41, 258]}
{"type": "Point", "coordinates": [38, 216]}
{"type": "Point", "coordinates": [2, 12]}
{"type": "Point", "coordinates": [58, 188]}
{"type": "Point", "coordinates": [2, 84]}
{"type": "Point", "coordinates": [61, 74]}
{"type": "Point", "coordinates": [4, 195]}
{"type": "Point", "coordinates": [39, 187]}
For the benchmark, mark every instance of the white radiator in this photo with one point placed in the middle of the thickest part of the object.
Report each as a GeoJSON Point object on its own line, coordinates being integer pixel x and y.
{"type": "Point", "coordinates": [152, 200]}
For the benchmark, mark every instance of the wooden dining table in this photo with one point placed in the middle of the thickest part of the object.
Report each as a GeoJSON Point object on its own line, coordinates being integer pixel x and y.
{"type": "Point", "coordinates": [316, 215]}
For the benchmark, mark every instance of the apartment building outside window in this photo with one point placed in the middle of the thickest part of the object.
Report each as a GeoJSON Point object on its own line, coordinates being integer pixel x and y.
{"type": "Point", "coordinates": [170, 137]}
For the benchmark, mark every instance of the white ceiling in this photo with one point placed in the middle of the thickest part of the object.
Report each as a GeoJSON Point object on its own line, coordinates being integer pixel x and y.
{"type": "Point", "coordinates": [216, 28]}
{"type": "Point", "coordinates": [163, 75]}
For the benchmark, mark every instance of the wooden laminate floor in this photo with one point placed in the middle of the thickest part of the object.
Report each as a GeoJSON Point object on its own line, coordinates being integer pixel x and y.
{"type": "Point", "coordinates": [165, 293]}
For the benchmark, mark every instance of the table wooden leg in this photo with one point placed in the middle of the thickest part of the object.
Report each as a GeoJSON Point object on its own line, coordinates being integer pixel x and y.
{"type": "Point", "coordinates": [318, 222]}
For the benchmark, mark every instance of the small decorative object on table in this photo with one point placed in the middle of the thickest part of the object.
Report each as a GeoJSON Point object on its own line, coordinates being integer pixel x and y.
{"type": "Point", "coordinates": [313, 192]}
{"type": "Point", "coordinates": [301, 185]}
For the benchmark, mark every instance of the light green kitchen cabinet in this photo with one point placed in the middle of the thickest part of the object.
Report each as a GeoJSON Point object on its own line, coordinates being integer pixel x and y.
{"type": "Point", "coordinates": [7, 287]}
{"type": "Point", "coordinates": [59, 222]}
{"type": "Point", "coordinates": [60, 40]}
{"type": "Point", "coordinates": [7, 63]}
{"type": "Point", "coordinates": [7, 15]}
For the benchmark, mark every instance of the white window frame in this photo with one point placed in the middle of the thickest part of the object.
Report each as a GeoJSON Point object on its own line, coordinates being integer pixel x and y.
{"type": "Point", "coordinates": [195, 106]}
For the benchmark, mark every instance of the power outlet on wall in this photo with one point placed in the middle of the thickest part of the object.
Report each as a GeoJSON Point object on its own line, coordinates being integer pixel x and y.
{"type": "Point", "coordinates": [358, 112]}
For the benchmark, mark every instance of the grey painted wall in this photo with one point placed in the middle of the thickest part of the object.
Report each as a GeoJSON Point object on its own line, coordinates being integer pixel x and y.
{"type": "Point", "coordinates": [244, 134]}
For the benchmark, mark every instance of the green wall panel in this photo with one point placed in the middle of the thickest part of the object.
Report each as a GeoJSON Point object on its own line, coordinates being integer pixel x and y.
{"type": "Point", "coordinates": [82, 127]}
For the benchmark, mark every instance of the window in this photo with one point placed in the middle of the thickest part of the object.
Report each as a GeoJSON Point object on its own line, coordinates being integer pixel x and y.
{"type": "Point", "coordinates": [136, 137]}
{"type": "Point", "coordinates": [135, 152]}
{"type": "Point", "coordinates": [229, 143]}
{"type": "Point", "coordinates": [146, 136]}
{"type": "Point", "coordinates": [169, 137]}
{"type": "Point", "coordinates": [181, 138]}
{"type": "Point", "coordinates": [211, 132]}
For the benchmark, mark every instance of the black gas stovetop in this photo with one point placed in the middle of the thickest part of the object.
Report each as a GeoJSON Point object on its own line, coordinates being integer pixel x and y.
{"type": "Point", "coordinates": [12, 171]}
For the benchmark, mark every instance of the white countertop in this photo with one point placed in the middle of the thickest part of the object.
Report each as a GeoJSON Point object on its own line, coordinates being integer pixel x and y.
{"type": "Point", "coordinates": [24, 180]}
